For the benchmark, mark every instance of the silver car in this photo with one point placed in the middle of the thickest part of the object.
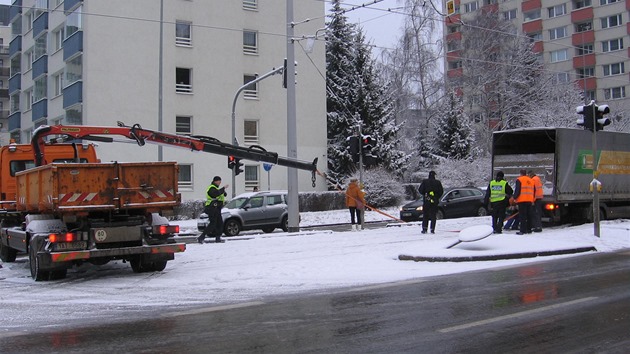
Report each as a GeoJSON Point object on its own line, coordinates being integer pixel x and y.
{"type": "Point", "coordinates": [250, 211]}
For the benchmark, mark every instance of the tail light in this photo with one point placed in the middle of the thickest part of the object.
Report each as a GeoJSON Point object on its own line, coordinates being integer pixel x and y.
{"type": "Point", "coordinates": [165, 229]}
{"type": "Point", "coordinates": [63, 237]}
{"type": "Point", "coordinates": [551, 207]}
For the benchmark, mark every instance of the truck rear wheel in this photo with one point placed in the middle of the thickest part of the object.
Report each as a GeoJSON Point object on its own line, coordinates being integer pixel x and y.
{"type": "Point", "coordinates": [36, 272]}
{"type": "Point", "coordinates": [138, 266]}
{"type": "Point", "coordinates": [7, 254]}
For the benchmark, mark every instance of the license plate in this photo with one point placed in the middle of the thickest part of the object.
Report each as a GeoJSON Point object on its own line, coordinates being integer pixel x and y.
{"type": "Point", "coordinates": [406, 214]}
{"type": "Point", "coordinates": [62, 246]}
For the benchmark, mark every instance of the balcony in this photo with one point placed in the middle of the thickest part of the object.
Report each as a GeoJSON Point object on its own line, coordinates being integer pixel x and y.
{"type": "Point", "coordinates": [73, 94]}
{"type": "Point", "coordinates": [70, 5]}
{"type": "Point", "coordinates": [531, 5]}
{"type": "Point", "coordinates": [15, 46]}
{"type": "Point", "coordinates": [583, 37]}
{"type": "Point", "coordinates": [73, 45]}
{"type": "Point", "coordinates": [40, 109]}
{"type": "Point", "coordinates": [15, 121]}
{"type": "Point", "coordinates": [40, 67]}
{"type": "Point", "coordinates": [532, 26]}
{"type": "Point", "coordinates": [583, 61]}
{"type": "Point", "coordinates": [588, 84]}
{"type": "Point", "coordinates": [15, 10]}
{"type": "Point", "coordinates": [40, 24]}
{"type": "Point", "coordinates": [15, 83]}
{"type": "Point", "coordinates": [581, 15]}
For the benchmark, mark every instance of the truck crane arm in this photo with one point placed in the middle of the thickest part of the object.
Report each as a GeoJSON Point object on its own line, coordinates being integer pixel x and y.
{"type": "Point", "coordinates": [142, 136]}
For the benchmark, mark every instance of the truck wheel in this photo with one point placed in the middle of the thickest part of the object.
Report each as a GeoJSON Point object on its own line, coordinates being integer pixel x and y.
{"type": "Point", "coordinates": [232, 227]}
{"type": "Point", "coordinates": [138, 266]}
{"type": "Point", "coordinates": [7, 254]}
{"type": "Point", "coordinates": [159, 266]}
{"type": "Point", "coordinates": [268, 230]}
{"type": "Point", "coordinates": [36, 272]}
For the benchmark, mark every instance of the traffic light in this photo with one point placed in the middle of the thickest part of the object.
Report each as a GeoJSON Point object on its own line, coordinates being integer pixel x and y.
{"type": "Point", "coordinates": [237, 166]}
{"type": "Point", "coordinates": [599, 116]}
{"type": "Point", "coordinates": [231, 162]}
{"type": "Point", "coordinates": [353, 147]}
{"type": "Point", "coordinates": [586, 120]}
{"type": "Point", "coordinates": [368, 142]}
{"type": "Point", "coordinates": [593, 116]}
{"type": "Point", "coordinates": [284, 72]}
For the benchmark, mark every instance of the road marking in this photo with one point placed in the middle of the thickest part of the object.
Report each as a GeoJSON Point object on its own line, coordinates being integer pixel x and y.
{"type": "Point", "coordinates": [515, 315]}
{"type": "Point", "coordinates": [213, 309]}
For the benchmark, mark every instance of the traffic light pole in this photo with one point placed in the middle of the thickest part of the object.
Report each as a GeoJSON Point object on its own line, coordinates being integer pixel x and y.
{"type": "Point", "coordinates": [361, 211]}
{"type": "Point", "coordinates": [596, 220]}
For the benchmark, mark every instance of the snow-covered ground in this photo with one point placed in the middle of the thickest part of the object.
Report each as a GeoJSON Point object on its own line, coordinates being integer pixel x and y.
{"type": "Point", "coordinates": [253, 266]}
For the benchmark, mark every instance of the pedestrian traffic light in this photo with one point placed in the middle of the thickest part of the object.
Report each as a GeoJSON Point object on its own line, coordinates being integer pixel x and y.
{"type": "Point", "coordinates": [353, 147]}
{"type": "Point", "coordinates": [231, 162]}
{"type": "Point", "coordinates": [599, 116]}
{"type": "Point", "coordinates": [237, 166]}
{"type": "Point", "coordinates": [586, 120]}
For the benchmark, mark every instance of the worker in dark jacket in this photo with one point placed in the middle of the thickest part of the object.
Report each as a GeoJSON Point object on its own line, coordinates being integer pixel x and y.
{"type": "Point", "coordinates": [431, 190]}
{"type": "Point", "coordinates": [497, 199]}
{"type": "Point", "coordinates": [215, 198]}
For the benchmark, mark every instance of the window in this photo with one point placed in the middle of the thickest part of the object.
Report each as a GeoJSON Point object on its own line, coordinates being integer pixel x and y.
{"type": "Point", "coordinates": [578, 4]}
{"type": "Point", "coordinates": [612, 45]}
{"type": "Point", "coordinates": [41, 6]}
{"type": "Point", "coordinates": [29, 60]}
{"type": "Point", "coordinates": [250, 42]}
{"type": "Point", "coordinates": [509, 15]}
{"type": "Point", "coordinates": [15, 103]}
{"type": "Point", "coordinates": [185, 181]}
{"type": "Point", "coordinates": [531, 15]}
{"type": "Point", "coordinates": [583, 27]}
{"type": "Point", "coordinates": [615, 93]}
{"type": "Point", "coordinates": [40, 47]}
{"type": "Point", "coordinates": [584, 49]}
{"type": "Point", "coordinates": [55, 3]}
{"type": "Point", "coordinates": [535, 37]}
{"type": "Point", "coordinates": [250, 131]}
{"type": "Point", "coordinates": [589, 95]}
{"type": "Point", "coordinates": [28, 21]}
{"type": "Point", "coordinates": [183, 35]}
{"type": "Point", "coordinates": [250, 4]}
{"type": "Point", "coordinates": [251, 91]}
{"type": "Point", "coordinates": [453, 29]}
{"type": "Point", "coordinates": [471, 6]}
{"type": "Point", "coordinates": [614, 69]}
{"type": "Point", "coordinates": [454, 64]}
{"type": "Point", "coordinates": [557, 10]}
{"type": "Point", "coordinates": [57, 84]}
{"type": "Point", "coordinates": [453, 45]}
{"type": "Point", "coordinates": [73, 22]}
{"type": "Point", "coordinates": [556, 33]}
{"type": "Point", "coordinates": [15, 65]}
{"type": "Point", "coordinates": [183, 77]}
{"type": "Point", "coordinates": [28, 99]}
{"type": "Point", "coordinates": [74, 115]}
{"type": "Point", "coordinates": [57, 39]}
{"type": "Point", "coordinates": [559, 55]}
{"type": "Point", "coordinates": [585, 72]}
{"type": "Point", "coordinates": [183, 125]}
{"type": "Point", "coordinates": [74, 70]}
{"type": "Point", "coordinates": [606, 2]}
{"type": "Point", "coordinates": [251, 176]}
{"type": "Point", "coordinates": [611, 21]}
{"type": "Point", "coordinates": [562, 78]}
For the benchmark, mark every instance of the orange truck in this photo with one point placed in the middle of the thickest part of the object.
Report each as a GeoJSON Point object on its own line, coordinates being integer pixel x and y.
{"type": "Point", "coordinates": [77, 209]}
{"type": "Point", "coordinates": [62, 206]}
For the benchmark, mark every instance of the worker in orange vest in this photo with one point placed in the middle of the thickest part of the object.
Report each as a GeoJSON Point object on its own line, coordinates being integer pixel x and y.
{"type": "Point", "coordinates": [525, 197]}
{"type": "Point", "coordinates": [538, 196]}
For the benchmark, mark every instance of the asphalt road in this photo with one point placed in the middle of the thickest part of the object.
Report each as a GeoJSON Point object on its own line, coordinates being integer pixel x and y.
{"type": "Point", "coordinates": [578, 304]}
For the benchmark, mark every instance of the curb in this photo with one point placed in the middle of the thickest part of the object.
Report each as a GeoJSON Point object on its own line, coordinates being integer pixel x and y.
{"type": "Point", "coordinates": [495, 257]}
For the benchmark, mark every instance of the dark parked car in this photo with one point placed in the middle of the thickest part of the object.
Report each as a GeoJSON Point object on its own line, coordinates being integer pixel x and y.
{"type": "Point", "coordinates": [455, 203]}
{"type": "Point", "coordinates": [250, 211]}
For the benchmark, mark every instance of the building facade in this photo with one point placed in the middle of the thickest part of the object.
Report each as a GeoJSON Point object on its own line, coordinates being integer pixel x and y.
{"type": "Point", "coordinates": [585, 41]}
{"type": "Point", "coordinates": [174, 66]}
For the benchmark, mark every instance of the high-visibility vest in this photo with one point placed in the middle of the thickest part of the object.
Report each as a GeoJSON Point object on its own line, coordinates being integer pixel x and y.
{"type": "Point", "coordinates": [209, 199]}
{"type": "Point", "coordinates": [497, 190]}
{"type": "Point", "coordinates": [527, 190]}
{"type": "Point", "coordinates": [539, 187]}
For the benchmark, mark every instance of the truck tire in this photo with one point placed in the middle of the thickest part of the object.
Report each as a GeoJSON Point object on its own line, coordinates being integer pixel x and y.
{"type": "Point", "coordinates": [159, 266]}
{"type": "Point", "coordinates": [232, 227]}
{"type": "Point", "coordinates": [36, 272]}
{"type": "Point", "coordinates": [138, 266]}
{"type": "Point", "coordinates": [7, 254]}
{"type": "Point", "coordinates": [58, 274]}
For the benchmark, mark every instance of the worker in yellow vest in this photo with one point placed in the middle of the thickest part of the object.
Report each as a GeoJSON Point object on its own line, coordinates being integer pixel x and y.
{"type": "Point", "coordinates": [497, 199]}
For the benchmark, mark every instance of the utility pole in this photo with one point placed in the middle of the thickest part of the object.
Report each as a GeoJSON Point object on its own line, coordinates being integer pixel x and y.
{"type": "Point", "coordinates": [160, 78]}
{"type": "Point", "coordinates": [595, 182]}
{"type": "Point", "coordinates": [293, 200]}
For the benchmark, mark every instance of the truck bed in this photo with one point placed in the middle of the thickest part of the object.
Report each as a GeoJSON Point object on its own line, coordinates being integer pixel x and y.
{"type": "Point", "coordinates": [63, 188]}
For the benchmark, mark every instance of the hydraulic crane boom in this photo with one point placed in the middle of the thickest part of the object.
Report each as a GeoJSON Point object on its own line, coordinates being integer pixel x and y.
{"type": "Point", "coordinates": [142, 136]}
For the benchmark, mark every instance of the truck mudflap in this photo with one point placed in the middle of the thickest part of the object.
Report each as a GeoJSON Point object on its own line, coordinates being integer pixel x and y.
{"type": "Point", "coordinates": [116, 252]}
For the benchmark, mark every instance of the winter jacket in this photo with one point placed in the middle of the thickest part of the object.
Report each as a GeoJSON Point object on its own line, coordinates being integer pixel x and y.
{"type": "Point", "coordinates": [354, 193]}
{"type": "Point", "coordinates": [431, 189]}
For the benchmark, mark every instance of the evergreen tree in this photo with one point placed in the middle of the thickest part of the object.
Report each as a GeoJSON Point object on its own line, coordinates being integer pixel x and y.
{"type": "Point", "coordinates": [453, 132]}
{"type": "Point", "coordinates": [356, 96]}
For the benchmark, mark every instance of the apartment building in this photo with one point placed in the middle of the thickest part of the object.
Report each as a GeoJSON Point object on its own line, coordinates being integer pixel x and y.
{"type": "Point", "coordinates": [5, 38]}
{"type": "Point", "coordinates": [174, 64]}
{"type": "Point", "coordinates": [585, 41]}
